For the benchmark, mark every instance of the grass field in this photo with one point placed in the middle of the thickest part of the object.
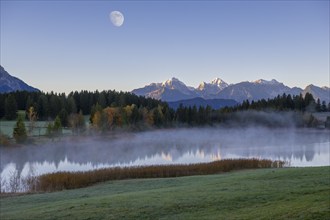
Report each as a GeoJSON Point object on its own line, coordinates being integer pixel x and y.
{"type": "Point", "coordinates": [287, 193]}
{"type": "Point", "coordinates": [40, 128]}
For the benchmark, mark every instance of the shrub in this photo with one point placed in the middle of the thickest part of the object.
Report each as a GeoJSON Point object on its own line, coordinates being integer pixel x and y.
{"type": "Point", "coordinates": [4, 140]}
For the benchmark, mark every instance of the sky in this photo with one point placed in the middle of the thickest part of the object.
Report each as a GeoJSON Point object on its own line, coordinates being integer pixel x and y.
{"type": "Point", "coordinates": [64, 46]}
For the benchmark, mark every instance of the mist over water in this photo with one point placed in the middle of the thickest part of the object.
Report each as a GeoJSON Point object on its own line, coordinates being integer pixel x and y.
{"type": "Point", "coordinates": [299, 147]}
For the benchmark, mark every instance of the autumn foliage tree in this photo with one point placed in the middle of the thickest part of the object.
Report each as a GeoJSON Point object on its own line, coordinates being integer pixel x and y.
{"type": "Point", "coordinates": [32, 116]}
{"type": "Point", "coordinates": [77, 123]}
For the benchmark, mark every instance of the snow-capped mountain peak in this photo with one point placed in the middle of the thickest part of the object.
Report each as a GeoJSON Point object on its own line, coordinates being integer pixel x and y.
{"type": "Point", "coordinates": [176, 84]}
{"type": "Point", "coordinates": [172, 82]}
{"type": "Point", "coordinates": [215, 82]}
{"type": "Point", "coordinates": [266, 82]}
{"type": "Point", "coordinates": [174, 90]}
{"type": "Point", "coordinates": [220, 83]}
{"type": "Point", "coordinates": [202, 86]}
{"type": "Point", "coordinates": [170, 90]}
{"type": "Point", "coordinates": [209, 90]}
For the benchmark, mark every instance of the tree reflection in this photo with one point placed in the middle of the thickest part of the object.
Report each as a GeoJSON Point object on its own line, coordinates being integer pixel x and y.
{"type": "Point", "coordinates": [170, 146]}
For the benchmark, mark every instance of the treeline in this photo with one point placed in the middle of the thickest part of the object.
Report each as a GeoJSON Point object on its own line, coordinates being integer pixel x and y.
{"type": "Point", "coordinates": [261, 111]}
{"type": "Point", "coordinates": [50, 105]}
{"type": "Point", "coordinates": [110, 110]}
{"type": "Point", "coordinates": [283, 103]}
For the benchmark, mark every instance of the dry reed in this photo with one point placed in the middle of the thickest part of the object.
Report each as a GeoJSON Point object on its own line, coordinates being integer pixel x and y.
{"type": "Point", "coordinates": [71, 180]}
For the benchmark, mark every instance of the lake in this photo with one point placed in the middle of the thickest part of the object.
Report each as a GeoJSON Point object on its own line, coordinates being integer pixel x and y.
{"type": "Point", "coordinates": [299, 147]}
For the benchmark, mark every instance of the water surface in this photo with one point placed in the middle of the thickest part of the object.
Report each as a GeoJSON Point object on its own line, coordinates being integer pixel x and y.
{"type": "Point", "coordinates": [303, 147]}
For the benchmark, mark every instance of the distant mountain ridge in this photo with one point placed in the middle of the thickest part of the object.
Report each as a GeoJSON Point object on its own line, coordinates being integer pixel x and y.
{"type": "Point", "coordinates": [173, 90]}
{"type": "Point", "coordinates": [323, 93]}
{"type": "Point", "coordinates": [10, 83]}
{"type": "Point", "coordinates": [260, 89]}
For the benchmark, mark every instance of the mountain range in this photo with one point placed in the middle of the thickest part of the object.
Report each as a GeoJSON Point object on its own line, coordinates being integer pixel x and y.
{"type": "Point", "coordinates": [10, 83]}
{"type": "Point", "coordinates": [217, 90]}
{"type": "Point", "coordinates": [173, 90]}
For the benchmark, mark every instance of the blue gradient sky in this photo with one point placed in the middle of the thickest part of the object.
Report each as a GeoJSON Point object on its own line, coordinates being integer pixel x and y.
{"type": "Point", "coordinates": [64, 46]}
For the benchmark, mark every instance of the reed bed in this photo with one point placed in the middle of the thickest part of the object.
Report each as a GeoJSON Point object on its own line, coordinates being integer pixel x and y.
{"type": "Point", "coordinates": [72, 180]}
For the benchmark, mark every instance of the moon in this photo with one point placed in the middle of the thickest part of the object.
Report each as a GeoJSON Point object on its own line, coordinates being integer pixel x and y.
{"type": "Point", "coordinates": [117, 18]}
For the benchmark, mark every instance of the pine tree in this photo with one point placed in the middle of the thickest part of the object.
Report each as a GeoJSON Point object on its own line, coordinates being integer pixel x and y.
{"type": "Point", "coordinates": [57, 128]}
{"type": "Point", "coordinates": [19, 132]}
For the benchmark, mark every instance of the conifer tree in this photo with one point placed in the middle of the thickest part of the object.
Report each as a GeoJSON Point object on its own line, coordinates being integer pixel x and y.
{"type": "Point", "coordinates": [57, 127]}
{"type": "Point", "coordinates": [19, 132]}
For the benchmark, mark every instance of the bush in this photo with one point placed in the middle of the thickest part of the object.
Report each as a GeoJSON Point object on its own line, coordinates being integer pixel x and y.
{"type": "Point", "coordinates": [4, 140]}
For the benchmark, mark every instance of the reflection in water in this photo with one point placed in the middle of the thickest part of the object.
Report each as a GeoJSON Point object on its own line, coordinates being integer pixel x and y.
{"type": "Point", "coordinates": [167, 156]}
{"type": "Point", "coordinates": [180, 146]}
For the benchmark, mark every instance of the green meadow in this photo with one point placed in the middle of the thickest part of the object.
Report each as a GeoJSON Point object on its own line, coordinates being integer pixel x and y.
{"type": "Point", "coordinates": [39, 129]}
{"type": "Point", "coordinates": [284, 193]}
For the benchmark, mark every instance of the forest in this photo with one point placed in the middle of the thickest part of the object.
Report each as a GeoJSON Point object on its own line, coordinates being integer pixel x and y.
{"type": "Point", "coordinates": [110, 110]}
